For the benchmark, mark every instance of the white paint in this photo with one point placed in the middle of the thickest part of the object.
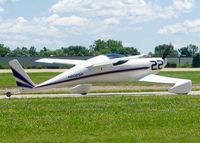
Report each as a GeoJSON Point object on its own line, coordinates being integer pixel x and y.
{"type": "Point", "coordinates": [103, 69]}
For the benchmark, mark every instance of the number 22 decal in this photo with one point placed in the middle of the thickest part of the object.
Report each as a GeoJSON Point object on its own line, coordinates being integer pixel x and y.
{"type": "Point", "coordinates": [156, 65]}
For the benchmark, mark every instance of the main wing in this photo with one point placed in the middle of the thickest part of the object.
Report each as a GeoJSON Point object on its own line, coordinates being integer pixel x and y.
{"type": "Point", "coordinates": [182, 86]}
{"type": "Point", "coordinates": [60, 61]}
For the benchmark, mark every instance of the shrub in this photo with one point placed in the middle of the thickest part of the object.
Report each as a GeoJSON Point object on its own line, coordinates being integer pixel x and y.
{"type": "Point", "coordinates": [171, 65]}
{"type": "Point", "coordinates": [186, 65]}
{"type": "Point", "coordinates": [28, 67]}
{"type": "Point", "coordinates": [3, 66]}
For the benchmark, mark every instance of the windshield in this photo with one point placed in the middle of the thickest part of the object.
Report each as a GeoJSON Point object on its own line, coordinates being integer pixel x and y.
{"type": "Point", "coordinates": [114, 56]}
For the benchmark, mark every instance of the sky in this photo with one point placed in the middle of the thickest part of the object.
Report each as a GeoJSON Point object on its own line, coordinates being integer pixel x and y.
{"type": "Point", "coordinates": [142, 24]}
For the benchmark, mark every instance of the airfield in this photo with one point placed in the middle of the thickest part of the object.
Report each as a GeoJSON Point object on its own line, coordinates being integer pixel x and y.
{"type": "Point", "coordinates": [26, 96]}
{"type": "Point", "coordinates": [124, 112]}
{"type": "Point", "coordinates": [102, 89]}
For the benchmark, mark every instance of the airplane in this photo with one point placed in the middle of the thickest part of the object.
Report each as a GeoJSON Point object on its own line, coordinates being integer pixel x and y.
{"type": "Point", "coordinates": [101, 69]}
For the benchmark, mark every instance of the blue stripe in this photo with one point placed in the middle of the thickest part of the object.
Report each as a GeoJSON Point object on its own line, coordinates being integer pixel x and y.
{"type": "Point", "coordinates": [97, 74]}
{"type": "Point", "coordinates": [19, 76]}
{"type": "Point", "coordinates": [23, 85]}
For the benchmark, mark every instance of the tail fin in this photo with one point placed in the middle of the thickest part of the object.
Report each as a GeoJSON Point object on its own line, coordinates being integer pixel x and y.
{"type": "Point", "coordinates": [22, 79]}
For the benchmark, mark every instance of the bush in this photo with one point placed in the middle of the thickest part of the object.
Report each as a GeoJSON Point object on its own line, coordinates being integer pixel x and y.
{"type": "Point", "coordinates": [3, 66]}
{"type": "Point", "coordinates": [28, 66]}
{"type": "Point", "coordinates": [171, 65]}
{"type": "Point", "coordinates": [39, 67]}
{"type": "Point", "coordinates": [186, 65]}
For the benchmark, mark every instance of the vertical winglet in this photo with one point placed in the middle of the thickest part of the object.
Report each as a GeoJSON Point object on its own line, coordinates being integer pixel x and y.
{"type": "Point", "coordinates": [22, 79]}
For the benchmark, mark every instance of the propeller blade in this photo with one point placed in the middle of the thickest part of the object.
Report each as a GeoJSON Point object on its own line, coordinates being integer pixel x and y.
{"type": "Point", "coordinates": [166, 52]}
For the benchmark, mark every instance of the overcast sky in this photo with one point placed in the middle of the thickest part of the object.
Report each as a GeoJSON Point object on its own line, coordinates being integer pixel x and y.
{"type": "Point", "coordinates": [140, 23]}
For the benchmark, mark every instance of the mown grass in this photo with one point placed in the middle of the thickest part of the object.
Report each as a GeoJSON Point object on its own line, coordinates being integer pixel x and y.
{"type": "Point", "coordinates": [7, 80]}
{"type": "Point", "coordinates": [105, 119]}
{"type": "Point", "coordinates": [192, 75]}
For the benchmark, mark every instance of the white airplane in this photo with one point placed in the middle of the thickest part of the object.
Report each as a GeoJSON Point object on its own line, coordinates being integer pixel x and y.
{"type": "Point", "coordinates": [101, 69]}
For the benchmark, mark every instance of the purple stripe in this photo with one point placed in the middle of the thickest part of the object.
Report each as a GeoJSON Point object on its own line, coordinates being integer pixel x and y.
{"type": "Point", "coordinates": [23, 85]}
{"type": "Point", "coordinates": [92, 75]}
{"type": "Point", "coordinates": [19, 76]}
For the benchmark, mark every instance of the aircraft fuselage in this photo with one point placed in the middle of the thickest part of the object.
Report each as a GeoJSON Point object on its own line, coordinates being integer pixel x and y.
{"type": "Point", "coordinates": [100, 70]}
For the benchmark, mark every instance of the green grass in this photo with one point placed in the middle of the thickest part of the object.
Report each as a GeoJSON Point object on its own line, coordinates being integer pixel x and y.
{"type": "Point", "coordinates": [192, 75]}
{"type": "Point", "coordinates": [7, 81]}
{"type": "Point", "coordinates": [105, 119]}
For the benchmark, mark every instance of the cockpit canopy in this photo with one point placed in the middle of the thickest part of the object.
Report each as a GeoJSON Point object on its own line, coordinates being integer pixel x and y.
{"type": "Point", "coordinates": [114, 56]}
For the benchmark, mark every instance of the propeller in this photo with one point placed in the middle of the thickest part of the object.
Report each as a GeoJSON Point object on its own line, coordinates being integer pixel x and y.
{"type": "Point", "coordinates": [166, 52]}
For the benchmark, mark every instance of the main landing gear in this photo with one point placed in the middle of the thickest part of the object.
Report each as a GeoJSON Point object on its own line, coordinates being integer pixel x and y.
{"type": "Point", "coordinates": [8, 94]}
{"type": "Point", "coordinates": [11, 92]}
{"type": "Point", "coordinates": [83, 93]}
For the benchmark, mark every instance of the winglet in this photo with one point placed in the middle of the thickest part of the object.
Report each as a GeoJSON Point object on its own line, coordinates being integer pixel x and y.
{"type": "Point", "coordinates": [182, 86]}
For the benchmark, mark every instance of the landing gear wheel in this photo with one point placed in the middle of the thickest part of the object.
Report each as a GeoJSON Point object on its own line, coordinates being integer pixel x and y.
{"type": "Point", "coordinates": [83, 93]}
{"type": "Point", "coordinates": [8, 94]}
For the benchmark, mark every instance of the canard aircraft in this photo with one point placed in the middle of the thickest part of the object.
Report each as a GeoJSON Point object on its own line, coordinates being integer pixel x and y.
{"type": "Point", "coordinates": [101, 69]}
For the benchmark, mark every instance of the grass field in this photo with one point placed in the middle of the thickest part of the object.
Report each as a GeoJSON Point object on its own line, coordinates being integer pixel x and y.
{"type": "Point", "coordinates": [7, 81]}
{"type": "Point", "coordinates": [105, 119]}
{"type": "Point", "coordinates": [100, 119]}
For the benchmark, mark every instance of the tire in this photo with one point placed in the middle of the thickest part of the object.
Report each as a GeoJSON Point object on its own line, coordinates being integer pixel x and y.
{"type": "Point", "coordinates": [8, 94]}
{"type": "Point", "coordinates": [83, 93]}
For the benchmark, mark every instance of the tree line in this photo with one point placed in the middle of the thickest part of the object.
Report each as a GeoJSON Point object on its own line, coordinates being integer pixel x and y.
{"type": "Point", "coordinates": [97, 48]}
{"type": "Point", "coordinates": [102, 47]}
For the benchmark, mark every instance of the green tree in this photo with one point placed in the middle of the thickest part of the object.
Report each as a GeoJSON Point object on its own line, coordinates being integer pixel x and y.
{"type": "Point", "coordinates": [129, 51]}
{"type": "Point", "coordinates": [193, 48]}
{"type": "Point", "coordinates": [98, 45]}
{"type": "Point", "coordinates": [45, 52]}
{"type": "Point", "coordinates": [114, 46]}
{"type": "Point", "coordinates": [111, 46]}
{"type": "Point", "coordinates": [32, 51]}
{"type": "Point", "coordinates": [4, 51]}
{"type": "Point", "coordinates": [159, 50]}
{"type": "Point", "coordinates": [104, 47]}
{"type": "Point", "coordinates": [188, 51]}
{"type": "Point", "coordinates": [59, 52]}
{"type": "Point", "coordinates": [19, 52]}
{"type": "Point", "coordinates": [25, 52]}
{"type": "Point", "coordinates": [76, 51]}
{"type": "Point", "coordinates": [185, 52]}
